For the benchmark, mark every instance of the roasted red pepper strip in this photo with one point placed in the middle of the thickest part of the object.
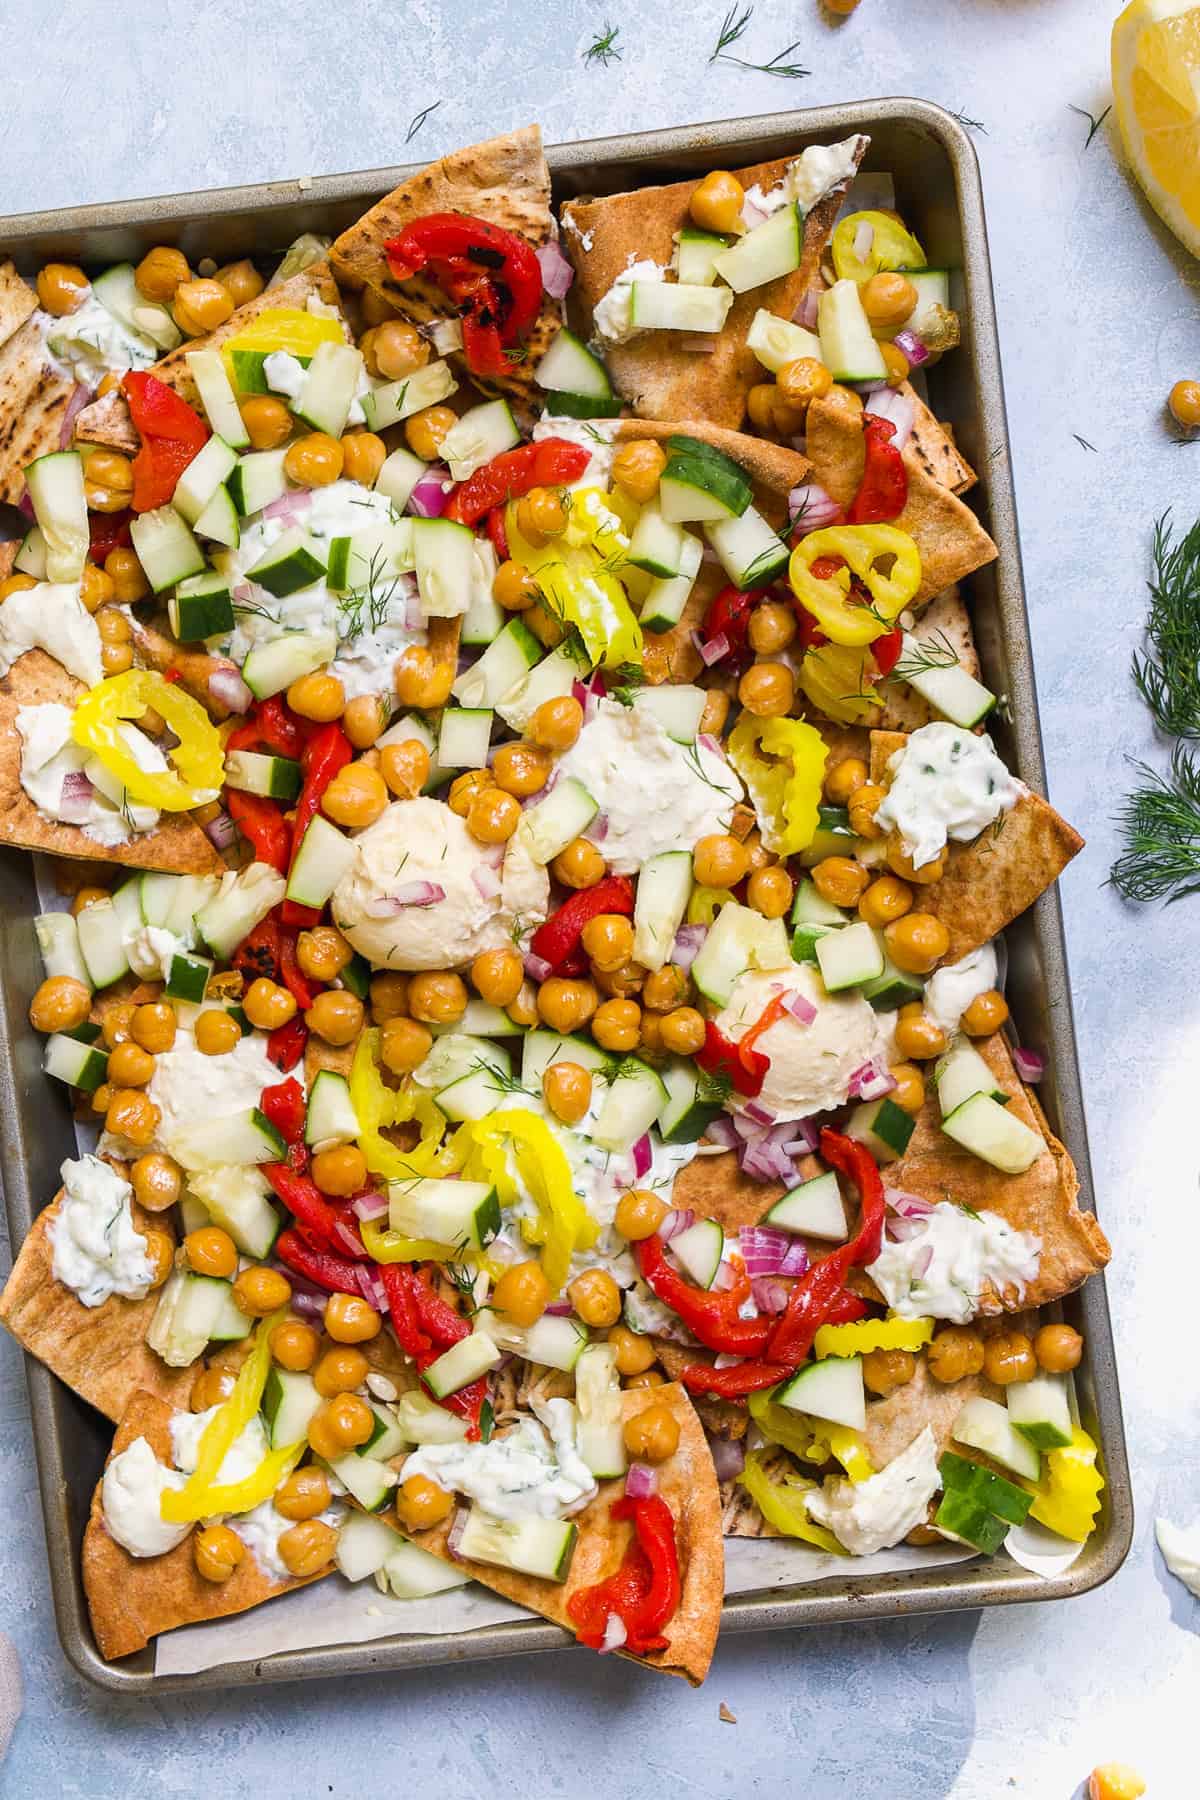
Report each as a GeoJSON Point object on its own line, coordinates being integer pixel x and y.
{"type": "Point", "coordinates": [258, 952]}
{"type": "Point", "coordinates": [492, 274]}
{"type": "Point", "coordinates": [333, 1273]}
{"type": "Point", "coordinates": [721, 1056]}
{"type": "Point", "coordinates": [437, 1316]}
{"type": "Point", "coordinates": [748, 1056]}
{"type": "Point", "coordinates": [171, 434]}
{"type": "Point", "coordinates": [886, 651]}
{"type": "Point", "coordinates": [644, 1591]}
{"type": "Point", "coordinates": [400, 1281]}
{"type": "Point", "coordinates": [430, 1326]}
{"type": "Point", "coordinates": [285, 1045]}
{"type": "Point", "coordinates": [261, 821]}
{"type": "Point", "coordinates": [560, 936]}
{"type": "Point", "coordinates": [108, 532]}
{"type": "Point", "coordinates": [710, 1316]}
{"type": "Point", "coordinates": [284, 1106]}
{"type": "Point", "coordinates": [294, 980]}
{"type": "Point", "coordinates": [327, 752]}
{"type": "Point", "coordinates": [467, 1402]}
{"type": "Point", "coordinates": [315, 1219]}
{"type": "Point", "coordinates": [551, 462]}
{"type": "Point", "coordinates": [728, 616]}
{"type": "Point", "coordinates": [883, 491]}
{"type": "Point", "coordinates": [497, 533]}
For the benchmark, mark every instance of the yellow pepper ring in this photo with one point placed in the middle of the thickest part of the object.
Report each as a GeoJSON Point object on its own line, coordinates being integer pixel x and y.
{"type": "Point", "coordinates": [861, 549]}
{"type": "Point", "coordinates": [786, 793]}
{"type": "Point", "coordinates": [890, 247]}
{"type": "Point", "coordinates": [96, 726]}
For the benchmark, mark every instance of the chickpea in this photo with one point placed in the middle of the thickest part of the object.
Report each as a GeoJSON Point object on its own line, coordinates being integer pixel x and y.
{"type": "Point", "coordinates": [513, 587]}
{"type": "Point", "coordinates": [260, 1291]}
{"type": "Point", "coordinates": [541, 515]}
{"type": "Point", "coordinates": [918, 1037]}
{"type": "Point", "coordinates": [16, 584]}
{"type": "Point", "coordinates": [355, 797]}
{"type": "Point", "coordinates": [96, 588]}
{"type": "Point", "coordinates": [405, 767]}
{"type": "Point", "coordinates": [760, 404]}
{"type": "Point", "coordinates": [719, 861]}
{"type": "Point", "coordinates": [523, 1010]}
{"type": "Point", "coordinates": [954, 1353]}
{"type": "Point", "coordinates": [340, 1171]}
{"type": "Point", "coordinates": [608, 940]}
{"type": "Point", "coordinates": [116, 1023]}
{"type": "Point", "coordinates": [767, 690]}
{"type": "Point", "coordinates": [1115, 1781]}
{"type": "Point", "coordinates": [363, 455]}
{"type": "Point", "coordinates": [107, 481]}
{"type": "Point", "coordinates": [420, 680]}
{"type": "Point", "coordinates": [200, 306]}
{"type": "Point", "coordinates": [426, 431]}
{"type": "Point", "coordinates": [683, 1031]}
{"type": "Point", "coordinates": [339, 1370]}
{"type": "Point", "coordinates": [520, 769]}
{"type": "Point", "coordinates": [160, 1254]}
{"type": "Point", "coordinates": [315, 460]}
{"type": "Point", "coordinates": [772, 627]}
{"type": "Point", "coordinates": [888, 300]}
{"type": "Point", "coordinates": [624, 983]}
{"type": "Point", "coordinates": [1184, 402]}
{"type": "Point", "coordinates": [336, 1016]}
{"type": "Point", "coordinates": [916, 942]}
{"type": "Point", "coordinates": [716, 711]}
{"type": "Point", "coordinates": [635, 1353]}
{"type": "Point", "coordinates": [160, 272]}
{"type": "Point", "coordinates": [323, 953]}
{"type": "Point", "coordinates": [132, 1115]}
{"type": "Point", "coordinates": [129, 1066]}
{"type": "Point", "coordinates": [127, 576]}
{"type": "Point", "coordinates": [596, 1298]}
{"type": "Point", "coordinates": [789, 420]}
{"type": "Point", "coordinates": [306, 1549]}
{"type": "Point", "coordinates": [886, 899]}
{"type": "Point", "coordinates": [1058, 1348]}
{"type": "Point", "coordinates": [363, 720]}
{"type": "Point", "coordinates": [493, 816]}
{"type": "Point", "coordinates": [60, 1004]}
{"type": "Point", "coordinates": [886, 1370]}
{"type": "Point", "coordinates": [437, 998]}
{"type": "Point", "coordinates": [210, 1387]}
{"type": "Point", "coordinates": [497, 976]}
{"type": "Point", "coordinates": [895, 364]}
{"type": "Point", "coordinates": [88, 896]}
{"type": "Point", "coordinates": [421, 1503]}
{"type": "Point", "coordinates": [803, 381]}
{"type": "Point", "coordinates": [113, 626]}
{"type": "Point", "coordinates": [267, 1005]}
{"type": "Point", "coordinates": [652, 1435]}
{"type": "Point", "coordinates": [909, 1091]}
{"type": "Point", "coordinates": [716, 204]}
{"type": "Point", "coordinates": [349, 1319]}
{"type": "Point", "coordinates": [640, 1213]}
{"type": "Point", "coordinates": [522, 1293]}
{"type": "Point", "coordinates": [303, 1494]}
{"type": "Point", "coordinates": [116, 658]}
{"type": "Point", "coordinates": [241, 281]}
{"type": "Point", "coordinates": [666, 989]}
{"type": "Point", "coordinates": [156, 1180]}
{"type": "Point", "coordinates": [769, 891]}
{"type": "Point", "coordinates": [211, 1251]}
{"type": "Point", "coordinates": [319, 696]}
{"type": "Point", "coordinates": [637, 467]}
{"type": "Point", "coordinates": [565, 1005]}
{"type": "Point", "coordinates": [62, 288]}
{"type": "Point", "coordinates": [840, 880]}
{"type": "Point", "coordinates": [466, 788]}
{"type": "Point", "coordinates": [567, 1090]}
{"type": "Point", "coordinates": [295, 1346]}
{"type": "Point", "coordinates": [153, 1026]}
{"type": "Point", "coordinates": [580, 865]}
{"type": "Point", "coordinates": [375, 308]}
{"type": "Point", "coordinates": [616, 1025]}
{"type": "Point", "coordinates": [217, 1551]}
{"type": "Point", "coordinates": [647, 1379]}
{"type": "Point", "coordinates": [216, 1032]}
{"type": "Point", "coordinates": [403, 1045]}
{"type": "Point", "coordinates": [900, 863]}
{"type": "Point", "coordinates": [862, 806]}
{"type": "Point", "coordinates": [398, 349]}
{"type": "Point", "coordinates": [267, 420]}
{"type": "Point", "coordinates": [389, 996]}
{"type": "Point", "coordinates": [986, 1013]}
{"type": "Point", "coordinates": [1008, 1357]}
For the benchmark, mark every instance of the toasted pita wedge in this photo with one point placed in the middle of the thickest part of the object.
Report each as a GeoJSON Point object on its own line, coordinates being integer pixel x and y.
{"type": "Point", "coordinates": [17, 301]}
{"type": "Point", "coordinates": [654, 373]}
{"type": "Point", "coordinates": [107, 421]}
{"type": "Point", "coordinates": [99, 1351]}
{"type": "Point", "coordinates": [935, 449]}
{"type": "Point", "coordinates": [740, 1517]}
{"type": "Point", "coordinates": [950, 538]}
{"type": "Point", "coordinates": [946, 620]}
{"type": "Point", "coordinates": [1044, 1200]}
{"type": "Point", "coordinates": [688, 1484]}
{"type": "Point", "coordinates": [992, 881]}
{"type": "Point", "coordinates": [893, 1422]}
{"type": "Point", "coordinates": [132, 1599]}
{"type": "Point", "coordinates": [33, 404]}
{"type": "Point", "coordinates": [720, 1418]}
{"type": "Point", "coordinates": [505, 181]}
{"type": "Point", "coordinates": [177, 844]}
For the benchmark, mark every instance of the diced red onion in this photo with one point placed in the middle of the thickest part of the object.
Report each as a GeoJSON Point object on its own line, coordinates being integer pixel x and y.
{"type": "Point", "coordinates": [557, 273]}
{"type": "Point", "coordinates": [680, 1219]}
{"type": "Point", "coordinates": [309, 1306]}
{"type": "Point", "coordinates": [345, 1238]}
{"type": "Point", "coordinates": [899, 409]}
{"type": "Point", "coordinates": [75, 799]}
{"type": "Point", "coordinates": [807, 1136]}
{"type": "Point", "coordinates": [487, 882]}
{"type": "Point", "coordinates": [910, 345]}
{"type": "Point", "coordinates": [81, 396]}
{"type": "Point", "coordinates": [414, 618]}
{"type": "Point", "coordinates": [767, 1160]}
{"type": "Point", "coordinates": [722, 1131]}
{"type": "Point", "coordinates": [712, 744]}
{"type": "Point", "coordinates": [228, 689]}
{"type": "Point", "coordinates": [409, 893]}
{"type": "Point", "coordinates": [921, 1262]}
{"type": "Point", "coordinates": [909, 1206]}
{"type": "Point", "coordinates": [429, 498]}
{"type": "Point", "coordinates": [761, 1115]}
{"type": "Point", "coordinates": [371, 1287]}
{"type": "Point", "coordinates": [455, 1535]}
{"type": "Point", "coordinates": [813, 507]}
{"type": "Point", "coordinates": [641, 1481]}
{"type": "Point", "coordinates": [770, 1296]}
{"type": "Point", "coordinates": [589, 695]}
{"type": "Point", "coordinates": [369, 1206]}
{"type": "Point", "coordinates": [871, 1081]}
{"type": "Point", "coordinates": [536, 967]}
{"type": "Point", "coordinates": [686, 947]}
{"type": "Point", "coordinates": [763, 1248]}
{"type": "Point", "coordinates": [615, 1633]}
{"type": "Point", "coordinates": [221, 831]}
{"type": "Point", "coordinates": [598, 828]}
{"type": "Point", "coordinates": [800, 1007]}
{"type": "Point", "coordinates": [807, 312]}
{"type": "Point", "coordinates": [560, 1309]}
{"type": "Point", "coordinates": [699, 343]}
{"type": "Point", "coordinates": [752, 213]}
{"type": "Point", "coordinates": [1029, 1064]}
{"type": "Point", "coordinates": [713, 650]}
{"type": "Point", "coordinates": [729, 1457]}
{"type": "Point", "coordinates": [796, 1260]}
{"type": "Point", "coordinates": [864, 237]}
{"type": "Point", "coordinates": [290, 506]}
{"type": "Point", "coordinates": [726, 1360]}
{"type": "Point", "coordinates": [900, 1231]}
{"type": "Point", "coordinates": [643, 1155]}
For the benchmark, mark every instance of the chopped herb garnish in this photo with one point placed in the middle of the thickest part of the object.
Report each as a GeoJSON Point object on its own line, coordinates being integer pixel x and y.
{"type": "Point", "coordinates": [733, 28]}
{"type": "Point", "coordinates": [1094, 124]}
{"type": "Point", "coordinates": [365, 609]}
{"type": "Point", "coordinates": [1083, 443]}
{"type": "Point", "coordinates": [1160, 822]}
{"type": "Point", "coordinates": [1168, 676]}
{"type": "Point", "coordinates": [971, 124]}
{"type": "Point", "coordinates": [933, 652]}
{"type": "Point", "coordinates": [419, 120]}
{"type": "Point", "coordinates": [604, 48]}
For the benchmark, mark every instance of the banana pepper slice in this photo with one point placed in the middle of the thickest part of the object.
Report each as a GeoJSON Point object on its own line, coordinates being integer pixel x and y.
{"type": "Point", "coordinates": [891, 247]}
{"type": "Point", "coordinates": [782, 1503]}
{"type": "Point", "coordinates": [814, 1440]}
{"type": "Point", "coordinates": [563, 1224]}
{"type": "Point", "coordinates": [786, 791]}
{"type": "Point", "coordinates": [377, 1106]}
{"type": "Point", "coordinates": [1068, 1495]}
{"type": "Point", "coordinates": [98, 722]}
{"type": "Point", "coordinates": [705, 902]}
{"type": "Point", "coordinates": [840, 683]}
{"type": "Point", "coordinates": [575, 576]}
{"type": "Point", "coordinates": [860, 550]}
{"type": "Point", "coordinates": [872, 1334]}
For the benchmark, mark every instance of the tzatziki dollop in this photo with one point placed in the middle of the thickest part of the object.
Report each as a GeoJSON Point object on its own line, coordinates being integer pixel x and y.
{"type": "Point", "coordinates": [534, 1469]}
{"type": "Point", "coordinates": [945, 783]}
{"type": "Point", "coordinates": [941, 1269]}
{"type": "Point", "coordinates": [131, 1500]}
{"type": "Point", "coordinates": [97, 1251]}
{"type": "Point", "coordinates": [881, 1511]}
{"type": "Point", "coordinates": [611, 317]}
{"type": "Point", "coordinates": [951, 989]}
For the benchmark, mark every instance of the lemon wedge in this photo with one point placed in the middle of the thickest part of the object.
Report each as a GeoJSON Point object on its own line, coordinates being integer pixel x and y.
{"type": "Point", "coordinates": [1156, 90]}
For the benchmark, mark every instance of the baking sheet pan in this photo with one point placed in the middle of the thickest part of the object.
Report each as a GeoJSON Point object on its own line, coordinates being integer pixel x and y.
{"type": "Point", "coordinates": [938, 191]}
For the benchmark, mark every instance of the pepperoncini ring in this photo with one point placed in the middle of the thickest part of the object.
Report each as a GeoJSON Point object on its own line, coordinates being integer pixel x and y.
{"type": "Point", "coordinates": [885, 561]}
{"type": "Point", "coordinates": [782, 1503]}
{"type": "Point", "coordinates": [865, 1335]}
{"type": "Point", "coordinates": [891, 247]}
{"type": "Point", "coordinates": [839, 683]}
{"type": "Point", "coordinates": [787, 792]}
{"type": "Point", "coordinates": [200, 1495]}
{"type": "Point", "coordinates": [287, 328]}
{"type": "Point", "coordinates": [97, 726]}
{"type": "Point", "coordinates": [563, 1224]}
{"type": "Point", "coordinates": [1067, 1498]}
{"type": "Point", "coordinates": [577, 585]}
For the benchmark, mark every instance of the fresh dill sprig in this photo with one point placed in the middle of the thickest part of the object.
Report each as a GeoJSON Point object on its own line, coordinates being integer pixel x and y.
{"type": "Point", "coordinates": [628, 678]}
{"type": "Point", "coordinates": [733, 28]}
{"type": "Point", "coordinates": [260, 612]}
{"type": "Point", "coordinates": [1083, 443]}
{"type": "Point", "coordinates": [964, 118]}
{"type": "Point", "coordinates": [516, 353]}
{"type": "Point", "coordinates": [969, 1210]}
{"type": "Point", "coordinates": [604, 48]}
{"type": "Point", "coordinates": [693, 758]}
{"type": "Point", "coordinates": [462, 1279]}
{"type": "Point", "coordinates": [501, 1081]}
{"type": "Point", "coordinates": [365, 609]}
{"type": "Point", "coordinates": [934, 652]}
{"type": "Point", "coordinates": [1160, 823]}
{"type": "Point", "coordinates": [1168, 675]}
{"type": "Point", "coordinates": [1094, 124]}
{"type": "Point", "coordinates": [419, 120]}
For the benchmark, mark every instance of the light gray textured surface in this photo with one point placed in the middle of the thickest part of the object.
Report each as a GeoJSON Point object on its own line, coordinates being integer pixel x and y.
{"type": "Point", "coordinates": [1098, 315]}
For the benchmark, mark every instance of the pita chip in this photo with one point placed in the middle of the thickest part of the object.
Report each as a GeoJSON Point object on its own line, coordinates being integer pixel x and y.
{"type": "Point", "coordinates": [132, 1599]}
{"type": "Point", "coordinates": [177, 844]}
{"type": "Point", "coordinates": [99, 1351]}
{"type": "Point", "coordinates": [505, 181]}
{"type": "Point", "coordinates": [18, 301]}
{"type": "Point", "coordinates": [655, 374]}
{"type": "Point", "coordinates": [33, 405]}
{"type": "Point", "coordinates": [934, 447]}
{"type": "Point", "coordinates": [990, 882]}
